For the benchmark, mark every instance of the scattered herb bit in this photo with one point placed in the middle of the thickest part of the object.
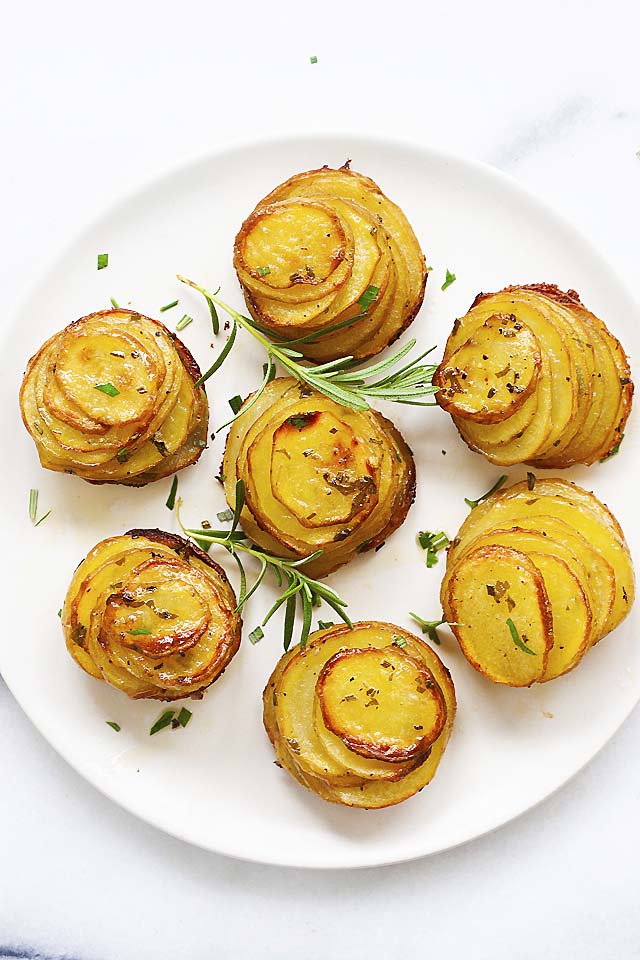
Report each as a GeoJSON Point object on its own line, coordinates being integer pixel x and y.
{"type": "Point", "coordinates": [114, 726]}
{"type": "Point", "coordinates": [107, 388]}
{"type": "Point", "coordinates": [184, 322]}
{"type": "Point", "coordinates": [432, 543]}
{"type": "Point", "coordinates": [103, 260]}
{"type": "Point", "coordinates": [313, 59]}
{"type": "Point", "coordinates": [264, 271]}
{"type": "Point", "coordinates": [200, 443]}
{"type": "Point", "coordinates": [531, 480]}
{"type": "Point", "coordinates": [256, 635]}
{"type": "Point", "coordinates": [163, 721]}
{"type": "Point", "coordinates": [499, 483]}
{"type": "Point", "coordinates": [428, 269]}
{"type": "Point", "coordinates": [613, 451]}
{"type": "Point", "coordinates": [448, 280]}
{"type": "Point", "coordinates": [429, 627]}
{"type": "Point", "coordinates": [325, 624]}
{"type": "Point", "coordinates": [33, 505]}
{"type": "Point", "coordinates": [225, 516]}
{"type": "Point", "coordinates": [60, 612]}
{"type": "Point", "coordinates": [184, 716]}
{"type": "Point", "coordinates": [171, 499]}
{"type": "Point", "coordinates": [515, 636]}
{"type": "Point", "coordinates": [141, 632]}
{"type": "Point", "coordinates": [399, 642]}
{"type": "Point", "coordinates": [235, 403]}
{"type": "Point", "coordinates": [369, 296]}
{"type": "Point", "coordinates": [114, 303]}
{"type": "Point", "coordinates": [169, 306]}
{"type": "Point", "coordinates": [299, 422]}
{"type": "Point", "coordinates": [42, 518]}
{"type": "Point", "coordinates": [122, 455]}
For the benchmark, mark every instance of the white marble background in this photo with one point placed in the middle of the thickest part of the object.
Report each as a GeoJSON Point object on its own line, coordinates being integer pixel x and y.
{"type": "Point", "coordinates": [96, 97]}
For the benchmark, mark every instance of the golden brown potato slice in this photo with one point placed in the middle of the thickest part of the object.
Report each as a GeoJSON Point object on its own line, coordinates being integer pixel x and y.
{"type": "Point", "coordinates": [490, 376]}
{"type": "Point", "coordinates": [383, 705]}
{"type": "Point", "coordinates": [500, 614]}
{"type": "Point", "coordinates": [571, 614]}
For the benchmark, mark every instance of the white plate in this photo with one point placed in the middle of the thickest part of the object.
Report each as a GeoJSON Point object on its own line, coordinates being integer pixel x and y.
{"type": "Point", "coordinates": [215, 784]}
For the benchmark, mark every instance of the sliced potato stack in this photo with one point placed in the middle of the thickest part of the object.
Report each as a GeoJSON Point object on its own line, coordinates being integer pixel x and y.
{"type": "Point", "coordinates": [152, 615]}
{"type": "Point", "coordinates": [529, 375]}
{"type": "Point", "coordinates": [317, 476]}
{"type": "Point", "coordinates": [326, 257]}
{"type": "Point", "coordinates": [537, 574]}
{"type": "Point", "coordinates": [360, 717]}
{"type": "Point", "coordinates": [111, 398]}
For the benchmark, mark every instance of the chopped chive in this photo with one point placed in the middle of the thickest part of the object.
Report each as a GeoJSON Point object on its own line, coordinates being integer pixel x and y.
{"type": "Point", "coordinates": [235, 403]}
{"type": "Point", "coordinates": [114, 726]}
{"type": "Point", "coordinates": [448, 280]}
{"type": "Point", "coordinates": [42, 519]}
{"type": "Point", "coordinates": [184, 716]}
{"type": "Point", "coordinates": [515, 636]}
{"type": "Point", "coordinates": [169, 306]}
{"type": "Point", "coordinates": [107, 388]}
{"type": "Point", "coordinates": [103, 260]}
{"type": "Point", "coordinates": [325, 624]}
{"type": "Point", "coordinates": [171, 499]}
{"type": "Point", "coordinates": [184, 322]}
{"type": "Point", "coordinates": [256, 635]}
{"type": "Point", "coordinates": [225, 516]}
{"type": "Point", "coordinates": [122, 455]}
{"type": "Point", "coordinates": [313, 59]}
{"type": "Point", "coordinates": [499, 483]}
{"type": "Point", "coordinates": [142, 632]}
{"type": "Point", "coordinates": [399, 642]}
{"type": "Point", "coordinates": [114, 303]}
{"type": "Point", "coordinates": [264, 271]}
{"type": "Point", "coordinates": [33, 505]}
{"type": "Point", "coordinates": [432, 543]}
{"type": "Point", "coordinates": [163, 721]}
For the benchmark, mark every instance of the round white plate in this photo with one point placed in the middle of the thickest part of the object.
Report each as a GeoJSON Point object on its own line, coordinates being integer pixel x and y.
{"type": "Point", "coordinates": [215, 783]}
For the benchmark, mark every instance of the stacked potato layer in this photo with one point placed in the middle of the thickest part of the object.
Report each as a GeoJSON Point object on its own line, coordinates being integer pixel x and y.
{"type": "Point", "coordinates": [317, 476]}
{"type": "Point", "coordinates": [152, 615]}
{"type": "Point", "coordinates": [530, 375]}
{"type": "Point", "coordinates": [537, 575]}
{"type": "Point", "coordinates": [360, 717]}
{"type": "Point", "coordinates": [111, 398]}
{"type": "Point", "coordinates": [326, 257]}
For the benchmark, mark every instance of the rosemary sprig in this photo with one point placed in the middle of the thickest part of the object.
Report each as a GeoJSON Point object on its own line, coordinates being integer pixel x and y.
{"type": "Point", "coordinates": [344, 380]}
{"type": "Point", "coordinates": [299, 589]}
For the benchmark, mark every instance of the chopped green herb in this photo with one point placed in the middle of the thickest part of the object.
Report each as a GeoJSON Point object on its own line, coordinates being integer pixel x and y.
{"type": "Point", "coordinates": [169, 306]}
{"type": "Point", "coordinates": [368, 297]}
{"type": "Point", "coordinates": [613, 451]}
{"type": "Point", "coordinates": [313, 59]}
{"type": "Point", "coordinates": [225, 516]}
{"type": "Point", "coordinates": [122, 455]}
{"type": "Point", "coordinates": [171, 499]}
{"type": "Point", "coordinates": [515, 636]}
{"type": "Point", "coordinates": [103, 260]}
{"type": "Point", "coordinates": [33, 505]}
{"type": "Point", "coordinates": [399, 642]}
{"type": "Point", "coordinates": [325, 624]}
{"type": "Point", "coordinates": [299, 422]}
{"type": "Point", "coordinates": [163, 721]}
{"type": "Point", "coordinates": [448, 280]}
{"type": "Point", "coordinates": [256, 635]}
{"type": "Point", "coordinates": [184, 322]}
{"type": "Point", "coordinates": [184, 716]}
{"type": "Point", "coordinates": [42, 519]}
{"type": "Point", "coordinates": [235, 403]}
{"type": "Point", "coordinates": [499, 483]}
{"type": "Point", "coordinates": [114, 726]}
{"type": "Point", "coordinates": [114, 303]}
{"type": "Point", "coordinates": [60, 612]}
{"type": "Point", "coordinates": [264, 271]}
{"type": "Point", "coordinates": [429, 627]}
{"type": "Point", "coordinates": [142, 632]}
{"type": "Point", "coordinates": [428, 269]}
{"type": "Point", "coordinates": [107, 388]}
{"type": "Point", "coordinates": [432, 543]}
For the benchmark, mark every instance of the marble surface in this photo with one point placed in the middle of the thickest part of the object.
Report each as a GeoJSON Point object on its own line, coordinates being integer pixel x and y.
{"type": "Point", "coordinates": [94, 100]}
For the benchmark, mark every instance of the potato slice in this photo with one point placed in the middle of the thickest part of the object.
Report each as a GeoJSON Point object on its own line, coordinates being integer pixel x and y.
{"type": "Point", "coordinates": [374, 717]}
{"type": "Point", "coordinates": [490, 376]}
{"type": "Point", "coordinates": [500, 614]}
{"type": "Point", "coordinates": [571, 614]}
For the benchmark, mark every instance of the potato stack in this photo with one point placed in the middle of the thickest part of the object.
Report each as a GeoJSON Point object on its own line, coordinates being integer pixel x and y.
{"type": "Point", "coordinates": [536, 576]}
{"type": "Point", "coordinates": [317, 476]}
{"type": "Point", "coordinates": [360, 717]}
{"type": "Point", "coordinates": [152, 615]}
{"type": "Point", "coordinates": [327, 260]}
{"type": "Point", "coordinates": [111, 399]}
{"type": "Point", "coordinates": [529, 375]}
